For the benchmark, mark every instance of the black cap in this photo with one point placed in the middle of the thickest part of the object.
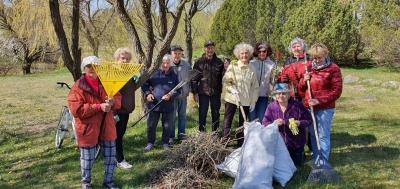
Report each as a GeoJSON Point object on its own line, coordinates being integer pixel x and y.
{"type": "Point", "coordinates": [207, 43]}
{"type": "Point", "coordinates": [176, 47]}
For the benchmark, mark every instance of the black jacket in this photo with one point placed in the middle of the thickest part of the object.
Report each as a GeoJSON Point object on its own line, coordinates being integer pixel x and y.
{"type": "Point", "coordinates": [209, 82]}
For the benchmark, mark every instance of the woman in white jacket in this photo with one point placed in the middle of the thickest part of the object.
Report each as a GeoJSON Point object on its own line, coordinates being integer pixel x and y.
{"type": "Point", "coordinates": [241, 79]}
{"type": "Point", "coordinates": [264, 68]}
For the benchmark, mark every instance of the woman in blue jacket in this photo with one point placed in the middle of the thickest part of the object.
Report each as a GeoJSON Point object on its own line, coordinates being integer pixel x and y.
{"type": "Point", "coordinates": [162, 82]}
{"type": "Point", "coordinates": [280, 111]}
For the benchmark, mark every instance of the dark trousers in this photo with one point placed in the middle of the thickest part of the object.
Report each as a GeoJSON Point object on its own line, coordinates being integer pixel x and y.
{"type": "Point", "coordinates": [121, 129]}
{"type": "Point", "coordinates": [230, 110]}
{"type": "Point", "coordinates": [215, 103]}
{"type": "Point", "coordinates": [296, 155]}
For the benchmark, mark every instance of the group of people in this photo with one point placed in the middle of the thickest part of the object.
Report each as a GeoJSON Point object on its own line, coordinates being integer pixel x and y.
{"type": "Point", "coordinates": [247, 83]}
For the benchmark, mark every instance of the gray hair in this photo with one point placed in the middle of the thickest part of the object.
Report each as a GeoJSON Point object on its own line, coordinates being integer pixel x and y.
{"type": "Point", "coordinates": [299, 41]}
{"type": "Point", "coordinates": [122, 50]}
{"type": "Point", "coordinates": [168, 58]}
{"type": "Point", "coordinates": [243, 46]}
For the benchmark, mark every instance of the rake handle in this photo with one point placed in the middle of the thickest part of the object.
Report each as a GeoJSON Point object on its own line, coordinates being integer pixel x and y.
{"type": "Point", "coordinates": [312, 113]}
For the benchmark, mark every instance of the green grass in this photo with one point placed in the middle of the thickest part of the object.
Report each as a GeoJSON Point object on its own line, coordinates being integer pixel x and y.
{"type": "Point", "coordinates": [365, 140]}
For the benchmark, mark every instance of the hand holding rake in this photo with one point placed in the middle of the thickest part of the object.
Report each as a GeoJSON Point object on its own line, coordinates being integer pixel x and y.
{"type": "Point", "coordinates": [322, 171]}
{"type": "Point", "coordinates": [192, 74]}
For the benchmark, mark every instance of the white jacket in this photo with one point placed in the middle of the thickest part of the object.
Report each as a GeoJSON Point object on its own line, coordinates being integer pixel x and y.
{"type": "Point", "coordinates": [244, 78]}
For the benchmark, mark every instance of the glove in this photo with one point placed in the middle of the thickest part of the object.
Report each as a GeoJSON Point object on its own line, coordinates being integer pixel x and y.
{"type": "Point", "coordinates": [136, 78]}
{"type": "Point", "coordinates": [293, 127]}
{"type": "Point", "coordinates": [233, 91]}
{"type": "Point", "coordinates": [252, 106]}
{"type": "Point", "coordinates": [116, 118]}
{"type": "Point", "coordinates": [285, 78]}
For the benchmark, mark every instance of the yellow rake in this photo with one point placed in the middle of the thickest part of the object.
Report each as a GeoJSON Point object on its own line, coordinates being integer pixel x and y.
{"type": "Point", "coordinates": [114, 75]}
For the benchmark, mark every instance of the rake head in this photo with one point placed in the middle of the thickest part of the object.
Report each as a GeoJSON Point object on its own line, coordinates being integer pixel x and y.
{"type": "Point", "coordinates": [115, 75]}
{"type": "Point", "coordinates": [323, 172]}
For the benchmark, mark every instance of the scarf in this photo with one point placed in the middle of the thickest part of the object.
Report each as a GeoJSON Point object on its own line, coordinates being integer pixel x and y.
{"type": "Point", "coordinates": [326, 63]}
{"type": "Point", "coordinates": [93, 83]}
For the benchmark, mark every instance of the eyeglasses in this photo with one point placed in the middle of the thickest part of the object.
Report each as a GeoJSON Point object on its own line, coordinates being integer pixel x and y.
{"type": "Point", "coordinates": [262, 51]}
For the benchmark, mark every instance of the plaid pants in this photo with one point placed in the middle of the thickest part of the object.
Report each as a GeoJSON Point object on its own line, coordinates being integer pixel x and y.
{"type": "Point", "coordinates": [88, 157]}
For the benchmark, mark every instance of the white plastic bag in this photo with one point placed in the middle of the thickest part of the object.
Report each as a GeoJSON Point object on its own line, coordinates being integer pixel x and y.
{"type": "Point", "coordinates": [231, 163]}
{"type": "Point", "coordinates": [256, 165]}
{"type": "Point", "coordinates": [284, 167]}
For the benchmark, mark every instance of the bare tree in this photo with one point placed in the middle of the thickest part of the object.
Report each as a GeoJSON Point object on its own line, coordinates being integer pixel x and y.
{"type": "Point", "coordinates": [71, 62]}
{"type": "Point", "coordinates": [92, 26]}
{"type": "Point", "coordinates": [194, 7]}
{"type": "Point", "coordinates": [150, 49]}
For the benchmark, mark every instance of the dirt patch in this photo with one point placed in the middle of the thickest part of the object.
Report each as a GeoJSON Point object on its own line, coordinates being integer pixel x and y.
{"type": "Point", "coordinates": [37, 128]}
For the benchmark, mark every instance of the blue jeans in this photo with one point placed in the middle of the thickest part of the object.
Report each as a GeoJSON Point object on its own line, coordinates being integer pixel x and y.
{"type": "Point", "coordinates": [324, 121]}
{"type": "Point", "coordinates": [180, 107]}
{"type": "Point", "coordinates": [259, 110]}
{"type": "Point", "coordinates": [152, 121]}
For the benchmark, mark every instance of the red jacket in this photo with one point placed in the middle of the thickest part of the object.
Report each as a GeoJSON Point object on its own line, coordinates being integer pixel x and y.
{"type": "Point", "coordinates": [291, 70]}
{"type": "Point", "coordinates": [326, 86]}
{"type": "Point", "coordinates": [82, 101]}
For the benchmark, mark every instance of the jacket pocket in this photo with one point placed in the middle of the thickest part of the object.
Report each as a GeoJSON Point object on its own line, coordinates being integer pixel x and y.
{"type": "Point", "coordinates": [85, 129]}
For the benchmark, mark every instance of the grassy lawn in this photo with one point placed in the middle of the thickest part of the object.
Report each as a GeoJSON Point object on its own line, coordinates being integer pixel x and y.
{"type": "Point", "coordinates": [365, 140]}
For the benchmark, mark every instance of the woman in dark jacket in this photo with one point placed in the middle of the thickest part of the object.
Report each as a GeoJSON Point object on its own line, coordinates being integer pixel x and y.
{"type": "Point", "coordinates": [280, 111]}
{"type": "Point", "coordinates": [326, 87]}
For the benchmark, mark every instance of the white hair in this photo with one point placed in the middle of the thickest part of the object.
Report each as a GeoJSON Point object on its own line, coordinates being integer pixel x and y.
{"type": "Point", "coordinates": [243, 46]}
{"type": "Point", "coordinates": [299, 41]}
{"type": "Point", "coordinates": [168, 57]}
{"type": "Point", "coordinates": [122, 50]}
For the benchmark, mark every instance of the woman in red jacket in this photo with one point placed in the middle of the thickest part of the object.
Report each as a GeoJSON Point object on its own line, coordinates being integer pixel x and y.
{"type": "Point", "coordinates": [326, 87]}
{"type": "Point", "coordinates": [88, 103]}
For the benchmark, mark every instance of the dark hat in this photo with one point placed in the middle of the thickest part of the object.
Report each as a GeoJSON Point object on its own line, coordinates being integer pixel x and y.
{"type": "Point", "coordinates": [207, 43]}
{"type": "Point", "coordinates": [176, 47]}
{"type": "Point", "coordinates": [227, 59]}
{"type": "Point", "coordinates": [262, 46]}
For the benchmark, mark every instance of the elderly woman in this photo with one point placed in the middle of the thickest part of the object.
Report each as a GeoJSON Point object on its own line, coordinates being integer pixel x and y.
{"type": "Point", "coordinates": [264, 66]}
{"type": "Point", "coordinates": [161, 82]}
{"type": "Point", "coordinates": [294, 67]}
{"type": "Point", "coordinates": [326, 87]}
{"type": "Point", "coordinates": [283, 109]}
{"type": "Point", "coordinates": [123, 55]}
{"type": "Point", "coordinates": [240, 80]}
{"type": "Point", "coordinates": [88, 103]}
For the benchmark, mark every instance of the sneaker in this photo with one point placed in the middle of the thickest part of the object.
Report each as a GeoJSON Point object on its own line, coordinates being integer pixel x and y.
{"type": "Point", "coordinates": [182, 136]}
{"type": "Point", "coordinates": [110, 185]}
{"type": "Point", "coordinates": [86, 186]}
{"type": "Point", "coordinates": [124, 165]}
{"type": "Point", "coordinates": [149, 147]}
{"type": "Point", "coordinates": [171, 141]}
{"type": "Point", "coordinates": [165, 146]}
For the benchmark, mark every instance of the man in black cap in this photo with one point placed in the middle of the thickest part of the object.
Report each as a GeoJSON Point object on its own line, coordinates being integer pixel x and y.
{"type": "Point", "coordinates": [207, 87]}
{"type": "Point", "coordinates": [181, 68]}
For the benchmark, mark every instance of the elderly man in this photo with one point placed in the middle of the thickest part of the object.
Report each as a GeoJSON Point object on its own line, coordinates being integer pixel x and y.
{"type": "Point", "coordinates": [181, 68]}
{"type": "Point", "coordinates": [207, 87]}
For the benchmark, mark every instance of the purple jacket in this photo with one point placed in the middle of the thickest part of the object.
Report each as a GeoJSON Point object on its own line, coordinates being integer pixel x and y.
{"type": "Point", "coordinates": [294, 110]}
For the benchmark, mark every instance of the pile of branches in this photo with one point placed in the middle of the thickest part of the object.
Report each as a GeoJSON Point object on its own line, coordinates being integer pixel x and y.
{"type": "Point", "coordinates": [191, 164]}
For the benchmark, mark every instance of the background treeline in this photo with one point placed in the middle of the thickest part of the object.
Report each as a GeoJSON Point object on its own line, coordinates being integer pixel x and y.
{"type": "Point", "coordinates": [355, 31]}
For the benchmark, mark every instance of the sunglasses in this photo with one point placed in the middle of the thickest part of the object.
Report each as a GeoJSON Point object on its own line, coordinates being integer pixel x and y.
{"type": "Point", "coordinates": [262, 51]}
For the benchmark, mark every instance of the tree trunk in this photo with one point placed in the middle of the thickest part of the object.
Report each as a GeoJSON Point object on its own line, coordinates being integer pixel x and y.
{"type": "Point", "coordinates": [189, 40]}
{"type": "Point", "coordinates": [72, 66]}
{"type": "Point", "coordinates": [26, 69]}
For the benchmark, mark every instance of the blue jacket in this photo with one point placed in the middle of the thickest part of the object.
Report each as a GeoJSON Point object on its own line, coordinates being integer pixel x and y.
{"type": "Point", "coordinates": [162, 83]}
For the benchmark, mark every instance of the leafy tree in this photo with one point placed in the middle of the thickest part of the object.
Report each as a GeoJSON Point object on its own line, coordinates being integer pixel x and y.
{"type": "Point", "coordinates": [23, 35]}
{"type": "Point", "coordinates": [234, 23]}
